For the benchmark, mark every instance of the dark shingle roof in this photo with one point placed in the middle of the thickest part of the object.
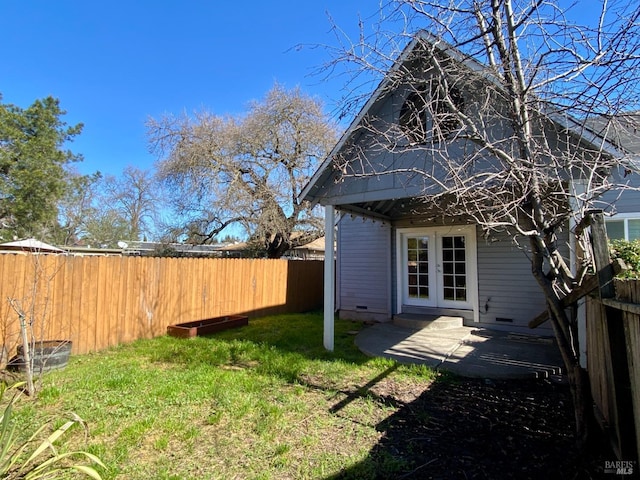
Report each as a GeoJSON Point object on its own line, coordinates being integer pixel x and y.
{"type": "Point", "coordinates": [622, 130]}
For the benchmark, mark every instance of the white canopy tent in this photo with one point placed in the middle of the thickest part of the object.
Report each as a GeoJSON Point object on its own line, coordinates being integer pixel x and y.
{"type": "Point", "coordinates": [30, 245]}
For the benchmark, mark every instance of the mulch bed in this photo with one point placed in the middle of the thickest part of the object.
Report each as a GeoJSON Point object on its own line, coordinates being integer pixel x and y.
{"type": "Point", "coordinates": [485, 429]}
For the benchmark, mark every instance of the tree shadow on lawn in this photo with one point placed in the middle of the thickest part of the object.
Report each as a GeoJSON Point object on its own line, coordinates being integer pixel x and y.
{"type": "Point", "coordinates": [453, 428]}
{"type": "Point", "coordinates": [476, 429]}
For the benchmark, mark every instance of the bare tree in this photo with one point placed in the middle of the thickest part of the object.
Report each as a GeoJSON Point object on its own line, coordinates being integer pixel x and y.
{"type": "Point", "coordinates": [246, 171]}
{"type": "Point", "coordinates": [504, 108]}
{"type": "Point", "coordinates": [133, 197]}
{"type": "Point", "coordinates": [25, 324]}
{"type": "Point", "coordinates": [101, 210]}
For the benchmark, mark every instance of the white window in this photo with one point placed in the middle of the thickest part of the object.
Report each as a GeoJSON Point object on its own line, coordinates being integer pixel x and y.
{"type": "Point", "coordinates": [623, 226]}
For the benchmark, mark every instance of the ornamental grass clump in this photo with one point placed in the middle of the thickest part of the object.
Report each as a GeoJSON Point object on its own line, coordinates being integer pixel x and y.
{"type": "Point", "coordinates": [38, 458]}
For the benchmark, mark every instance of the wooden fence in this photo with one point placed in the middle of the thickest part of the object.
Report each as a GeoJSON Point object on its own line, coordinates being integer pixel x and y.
{"type": "Point", "coordinates": [613, 355]}
{"type": "Point", "coordinates": [98, 302]}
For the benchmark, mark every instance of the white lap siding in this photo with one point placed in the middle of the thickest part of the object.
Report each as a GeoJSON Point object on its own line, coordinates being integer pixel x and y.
{"type": "Point", "coordinates": [364, 269]}
{"type": "Point", "coordinates": [621, 202]}
{"type": "Point", "coordinates": [627, 202]}
{"type": "Point", "coordinates": [509, 296]}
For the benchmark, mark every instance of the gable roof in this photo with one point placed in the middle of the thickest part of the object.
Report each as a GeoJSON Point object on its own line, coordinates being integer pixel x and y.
{"type": "Point", "coordinates": [593, 136]}
{"type": "Point", "coordinates": [323, 171]}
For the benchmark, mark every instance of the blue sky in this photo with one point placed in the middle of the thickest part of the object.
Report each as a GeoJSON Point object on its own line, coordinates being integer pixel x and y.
{"type": "Point", "coordinates": [114, 63]}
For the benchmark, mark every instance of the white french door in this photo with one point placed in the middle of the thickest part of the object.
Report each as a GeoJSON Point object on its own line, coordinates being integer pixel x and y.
{"type": "Point", "coordinates": [437, 267]}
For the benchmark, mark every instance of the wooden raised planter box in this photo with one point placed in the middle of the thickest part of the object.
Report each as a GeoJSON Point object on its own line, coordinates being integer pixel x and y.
{"type": "Point", "coordinates": [207, 326]}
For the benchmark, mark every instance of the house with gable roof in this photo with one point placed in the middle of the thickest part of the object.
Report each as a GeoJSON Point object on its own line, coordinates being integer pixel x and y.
{"type": "Point", "coordinates": [394, 256]}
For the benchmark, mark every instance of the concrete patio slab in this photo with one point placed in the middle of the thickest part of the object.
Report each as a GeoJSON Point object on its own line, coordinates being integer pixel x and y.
{"type": "Point", "coordinates": [466, 351]}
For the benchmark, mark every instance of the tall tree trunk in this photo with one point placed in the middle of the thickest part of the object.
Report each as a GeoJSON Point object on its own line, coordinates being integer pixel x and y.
{"type": "Point", "coordinates": [566, 334]}
{"type": "Point", "coordinates": [277, 246]}
{"type": "Point", "coordinates": [578, 377]}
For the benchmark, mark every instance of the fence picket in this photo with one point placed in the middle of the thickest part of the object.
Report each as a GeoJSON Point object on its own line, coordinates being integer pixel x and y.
{"type": "Point", "coordinates": [99, 302]}
{"type": "Point", "coordinates": [600, 366]}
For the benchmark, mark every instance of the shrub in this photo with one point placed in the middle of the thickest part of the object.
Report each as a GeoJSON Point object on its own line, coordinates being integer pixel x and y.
{"type": "Point", "coordinates": [629, 252]}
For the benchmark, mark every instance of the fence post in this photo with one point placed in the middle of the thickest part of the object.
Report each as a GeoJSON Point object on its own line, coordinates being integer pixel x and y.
{"type": "Point", "coordinates": [614, 331]}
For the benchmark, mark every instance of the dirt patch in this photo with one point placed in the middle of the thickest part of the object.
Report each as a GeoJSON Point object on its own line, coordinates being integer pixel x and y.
{"type": "Point", "coordinates": [481, 429]}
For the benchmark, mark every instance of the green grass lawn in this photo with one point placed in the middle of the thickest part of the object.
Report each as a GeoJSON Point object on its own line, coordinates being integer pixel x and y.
{"type": "Point", "coordinates": [265, 401]}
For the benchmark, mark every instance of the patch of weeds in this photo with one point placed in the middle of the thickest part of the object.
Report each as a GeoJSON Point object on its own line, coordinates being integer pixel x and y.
{"type": "Point", "coordinates": [241, 352]}
{"type": "Point", "coordinates": [214, 418]}
{"type": "Point", "coordinates": [281, 449]}
{"type": "Point", "coordinates": [280, 459]}
{"type": "Point", "coordinates": [388, 463]}
{"type": "Point", "coordinates": [166, 475]}
{"type": "Point", "coordinates": [98, 449]}
{"type": "Point", "coordinates": [190, 433]}
{"type": "Point", "coordinates": [286, 367]}
{"type": "Point", "coordinates": [308, 441]}
{"type": "Point", "coordinates": [119, 381]}
{"type": "Point", "coordinates": [161, 443]}
{"type": "Point", "coordinates": [382, 363]}
{"type": "Point", "coordinates": [120, 452]}
{"type": "Point", "coordinates": [423, 371]}
{"type": "Point", "coordinates": [298, 390]}
{"type": "Point", "coordinates": [25, 412]}
{"type": "Point", "coordinates": [190, 352]}
{"type": "Point", "coordinates": [133, 434]}
{"type": "Point", "coordinates": [262, 475]}
{"type": "Point", "coordinates": [268, 417]}
{"type": "Point", "coordinates": [49, 395]}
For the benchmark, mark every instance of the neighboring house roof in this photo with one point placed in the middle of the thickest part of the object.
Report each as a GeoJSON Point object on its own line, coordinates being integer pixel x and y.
{"type": "Point", "coordinates": [186, 248]}
{"type": "Point", "coordinates": [385, 208]}
{"type": "Point", "coordinates": [317, 245]}
{"type": "Point", "coordinates": [93, 251]}
{"type": "Point", "coordinates": [30, 245]}
{"type": "Point", "coordinates": [230, 249]}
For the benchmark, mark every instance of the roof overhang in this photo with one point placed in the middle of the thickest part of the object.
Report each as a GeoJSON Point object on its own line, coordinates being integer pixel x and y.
{"type": "Point", "coordinates": [324, 170]}
{"type": "Point", "coordinates": [387, 209]}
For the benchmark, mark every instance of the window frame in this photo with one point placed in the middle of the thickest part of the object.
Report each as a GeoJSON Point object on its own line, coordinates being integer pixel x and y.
{"type": "Point", "coordinates": [624, 217]}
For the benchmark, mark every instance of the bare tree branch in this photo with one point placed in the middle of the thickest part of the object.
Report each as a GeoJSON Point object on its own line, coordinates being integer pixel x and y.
{"type": "Point", "coordinates": [246, 171]}
{"type": "Point", "coordinates": [504, 113]}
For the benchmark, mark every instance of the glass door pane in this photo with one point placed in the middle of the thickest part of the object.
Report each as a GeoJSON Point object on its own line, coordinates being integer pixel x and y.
{"type": "Point", "coordinates": [454, 268]}
{"type": "Point", "coordinates": [418, 268]}
{"type": "Point", "coordinates": [437, 267]}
